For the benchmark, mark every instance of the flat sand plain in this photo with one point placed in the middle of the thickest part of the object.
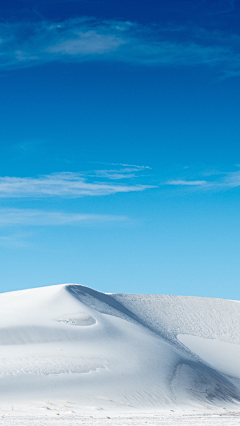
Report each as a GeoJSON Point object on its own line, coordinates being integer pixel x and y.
{"type": "Point", "coordinates": [215, 419]}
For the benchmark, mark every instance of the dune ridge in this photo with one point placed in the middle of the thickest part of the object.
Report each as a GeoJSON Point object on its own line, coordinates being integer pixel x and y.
{"type": "Point", "coordinates": [118, 351]}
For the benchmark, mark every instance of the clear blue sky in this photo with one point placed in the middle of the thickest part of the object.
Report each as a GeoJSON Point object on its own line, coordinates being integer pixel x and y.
{"type": "Point", "coordinates": [120, 145]}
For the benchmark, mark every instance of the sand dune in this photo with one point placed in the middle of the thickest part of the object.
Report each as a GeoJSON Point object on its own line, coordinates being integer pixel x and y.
{"type": "Point", "coordinates": [117, 351]}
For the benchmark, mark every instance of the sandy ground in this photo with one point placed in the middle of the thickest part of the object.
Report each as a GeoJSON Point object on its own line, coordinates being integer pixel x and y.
{"type": "Point", "coordinates": [125, 420]}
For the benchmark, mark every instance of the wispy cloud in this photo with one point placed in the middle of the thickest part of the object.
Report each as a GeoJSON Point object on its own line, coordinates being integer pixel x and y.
{"type": "Point", "coordinates": [32, 217]}
{"type": "Point", "coordinates": [122, 171]}
{"type": "Point", "coordinates": [16, 240]}
{"type": "Point", "coordinates": [121, 165]}
{"type": "Point", "coordinates": [187, 182]}
{"type": "Point", "coordinates": [217, 180]}
{"type": "Point", "coordinates": [31, 43]}
{"type": "Point", "coordinates": [63, 185]}
{"type": "Point", "coordinates": [231, 180]}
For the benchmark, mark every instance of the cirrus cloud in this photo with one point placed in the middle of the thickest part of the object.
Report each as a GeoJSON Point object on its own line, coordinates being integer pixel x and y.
{"type": "Point", "coordinates": [216, 180]}
{"type": "Point", "coordinates": [32, 217]}
{"type": "Point", "coordinates": [66, 184]}
{"type": "Point", "coordinates": [187, 182]}
{"type": "Point", "coordinates": [26, 44]}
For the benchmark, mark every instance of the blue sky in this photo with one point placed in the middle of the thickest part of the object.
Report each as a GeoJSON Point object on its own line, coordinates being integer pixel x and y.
{"type": "Point", "coordinates": [119, 142]}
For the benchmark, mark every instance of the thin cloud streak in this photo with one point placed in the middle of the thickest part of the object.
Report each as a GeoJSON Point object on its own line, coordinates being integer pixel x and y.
{"type": "Point", "coordinates": [25, 44]}
{"type": "Point", "coordinates": [124, 171]}
{"type": "Point", "coordinates": [31, 217]}
{"type": "Point", "coordinates": [187, 182]}
{"type": "Point", "coordinates": [137, 167]}
{"type": "Point", "coordinates": [15, 241]}
{"type": "Point", "coordinates": [223, 180]}
{"type": "Point", "coordinates": [232, 180]}
{"type": "Point", "coordinates": [69, 185]}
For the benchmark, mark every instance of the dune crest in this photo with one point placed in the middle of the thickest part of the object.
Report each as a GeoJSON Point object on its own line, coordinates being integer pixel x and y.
{"type": "Point", "coordinates": [117, 350]}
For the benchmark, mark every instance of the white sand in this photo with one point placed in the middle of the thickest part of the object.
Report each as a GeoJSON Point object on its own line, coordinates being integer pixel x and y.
{"type": "Point", "coordinates": [69, 352]}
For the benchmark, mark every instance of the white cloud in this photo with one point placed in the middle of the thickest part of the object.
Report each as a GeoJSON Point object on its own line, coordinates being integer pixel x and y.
{"type": "Point", "coordinates": [87, 39]}
{"type": "Point", "coordinates": [222, 180]}
{"type": "Point", "coordinates": [31, 217]}
{"type": "Point", "coordinates": [16, 240]}
{"type": "Point", "coordinates": [231, 180]}
{"type": "Point", "coordinates": [124, 171]}
{"type": "Point", "coordinates": [61, 185]}
{"type": "Point", "coordinates": [187, 182]}
{"type": "Point", "coordinates": [86, 43]}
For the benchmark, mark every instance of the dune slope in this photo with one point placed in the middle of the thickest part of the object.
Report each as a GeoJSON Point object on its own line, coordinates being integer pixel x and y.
{"type": "Point", "coordinates": [118, 351]}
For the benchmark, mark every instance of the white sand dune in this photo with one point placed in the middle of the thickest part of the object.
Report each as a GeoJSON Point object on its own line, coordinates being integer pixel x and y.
{"type": "Point", "coordinates": [81, 349]}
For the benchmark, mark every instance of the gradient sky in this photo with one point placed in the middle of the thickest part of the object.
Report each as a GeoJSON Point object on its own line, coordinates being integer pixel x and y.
{"type": "Point", "coordinates": [120, 145]}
